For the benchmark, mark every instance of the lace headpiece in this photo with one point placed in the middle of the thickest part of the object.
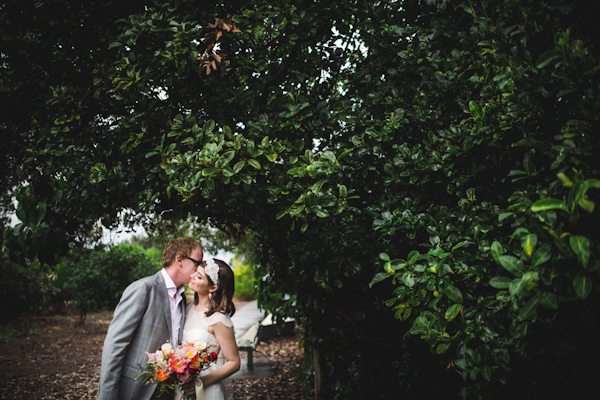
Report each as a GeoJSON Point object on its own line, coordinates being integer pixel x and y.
{"type": "Point", "coordinates": [212, 270]}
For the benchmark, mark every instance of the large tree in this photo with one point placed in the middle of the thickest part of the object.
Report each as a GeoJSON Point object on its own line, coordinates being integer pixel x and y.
{"type": "Point", "coordinates": [385, 159]}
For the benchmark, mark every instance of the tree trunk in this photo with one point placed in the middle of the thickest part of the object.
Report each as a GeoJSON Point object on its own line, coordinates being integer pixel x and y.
{"type": "Point", "coordinates": [318, 371]}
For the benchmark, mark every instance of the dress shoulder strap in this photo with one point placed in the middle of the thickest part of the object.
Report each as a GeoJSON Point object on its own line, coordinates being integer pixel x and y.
{"type": "Point", "coordinates": [220, 317]}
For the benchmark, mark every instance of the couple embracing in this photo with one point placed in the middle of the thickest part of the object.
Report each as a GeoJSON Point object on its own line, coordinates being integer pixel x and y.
{"type": "Point", "coordinates": [153, 311]}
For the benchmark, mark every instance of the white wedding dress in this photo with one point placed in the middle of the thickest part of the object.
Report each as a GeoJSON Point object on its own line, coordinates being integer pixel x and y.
{"type": "Point", "coordinates": [195, 329]}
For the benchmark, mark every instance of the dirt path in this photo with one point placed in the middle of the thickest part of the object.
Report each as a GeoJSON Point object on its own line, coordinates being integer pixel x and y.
{"type": "Point", "coordinates": [51, 358]}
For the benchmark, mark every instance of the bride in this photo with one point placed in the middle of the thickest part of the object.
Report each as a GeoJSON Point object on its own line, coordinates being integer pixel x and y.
{"type": "Point", "coordinates": [208, 321]}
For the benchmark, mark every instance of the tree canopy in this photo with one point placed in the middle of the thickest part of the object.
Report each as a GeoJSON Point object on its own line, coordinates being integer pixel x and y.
{"type": "Point", "coordinates": [417, 178]}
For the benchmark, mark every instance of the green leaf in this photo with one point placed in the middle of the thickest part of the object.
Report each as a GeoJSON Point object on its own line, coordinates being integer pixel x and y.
{"type": "Point", "coordinates": [512, 265]}
{"type": "Point", "coordinates": [265, 141]}
{"type": "Point", "coordinates": [516, 286]}
{"type": "Point", "coordinates": [415, 256]}
{"type": "Point", "coordinates": [549, 300]}
{"type": "Point", "coordinates": [581, 196]}
{"type": "Point", "coordinates": [461, 363]}
{"type": "Point", "coordinates": [402, 311]}
{"type": "Point", "coordinates": [541, 255]}
{"type": "Point", "coordinates": [397, 264]}
{"type": "Point", "coordinates": [228, 171]}
{"type": "Point", "coordinates": [452, 312]}
{"type": "Point", "coordinates": [39, 214]}
{"type": "Point", "coordinates": [581, 246]}
{"type": "Point", "coordinates": [316, 188]}
{"type": "Point", "coordinates": [528, 243]}
{"type": "Point", "coordinates": [328, 155]}
{"type": "Point", "coordinates": [378, 278]}
{"type": "Point", "coordinates": [549, 204]}
{"type": "Point", "coordinates": [209, 171]}
{"type": "Point", "coordinates": [296, 210]}
{"type": "Point", "coordinates": [227, 157]}
{"type": "Point", "coordinates": [530, 279]}
{"type": "Point", "coordinates": [586, 204]}
{"type": "Point", "coordinates": [500, 282]}
{"type": "Point", "coordinates": [442, 347]}
{"type": "Point", "coordinates": [296, 171]}
{"type": "Point", "coordinates": [582, 285]}
{"type": "Point", "coordinates": [564, 179]}
{"type": "Point", "coordinates": [247, 179]}
{"type": "Point", "coordinates": [505, 215]}
{"type": "Point", "coordinates": [255, 164]}
{"type": "Point", "coordinates": [304, 227]}
{"type": "Point", "coordinates": [408, 278]}
{"type": "Point", "coordinates": [322, 213]}
{"type": "Point", "coordinates": [529, 308]}
{"type": "Point", "coordinates": [209, 126]}
{"type": "Point", "coordinates": [453, 294]}
{"type": "Point", "coordinates": [486, 373]}
{"type": "Point", "coordinates": [281, 214]}
{"type": "Point", "coordinates": [496, 251]}
{"type": "Point", "coordinates": [593, 183]}
{"type": "Point", "coordinates": [546, 58]}
{"type": "Point", "coordinates": [238, 166]}
{"type": "Point", "coordinates": [474, 108]}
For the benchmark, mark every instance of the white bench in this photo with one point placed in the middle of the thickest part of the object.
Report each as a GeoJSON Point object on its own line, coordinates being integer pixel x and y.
{"type": "Point", "coordinates": [249, 341]}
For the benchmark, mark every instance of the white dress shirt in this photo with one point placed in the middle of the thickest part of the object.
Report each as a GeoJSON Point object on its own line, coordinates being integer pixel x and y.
{"type": "Point", "coordinates": [174, 299]}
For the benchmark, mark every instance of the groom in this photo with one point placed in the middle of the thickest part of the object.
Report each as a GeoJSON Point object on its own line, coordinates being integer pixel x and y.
{"type": "Point", "coordinates": [150, 313]}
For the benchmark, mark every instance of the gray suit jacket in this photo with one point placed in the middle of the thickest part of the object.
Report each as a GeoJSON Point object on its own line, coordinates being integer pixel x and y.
{"type": "Point", "coordinates": [141, 323]}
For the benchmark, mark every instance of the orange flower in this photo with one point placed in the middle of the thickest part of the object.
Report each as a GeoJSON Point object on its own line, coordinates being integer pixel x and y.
{"type": "Point", "coordinates": [163, 375]}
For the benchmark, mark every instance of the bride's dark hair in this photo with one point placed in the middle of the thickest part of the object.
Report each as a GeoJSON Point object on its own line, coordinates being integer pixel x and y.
{"type": "Point", "coordinates": [221, 299]}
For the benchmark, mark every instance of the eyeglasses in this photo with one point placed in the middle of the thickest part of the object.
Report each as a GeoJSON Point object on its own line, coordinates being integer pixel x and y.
{"type": "Point", "coordinates": [198, 263]}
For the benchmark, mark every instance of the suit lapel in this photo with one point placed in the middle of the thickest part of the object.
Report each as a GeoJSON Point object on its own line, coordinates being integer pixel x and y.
{"type": "Point", "coordinates": [183, 306]}
{"type": "Point", "coordinates": [164, 300]}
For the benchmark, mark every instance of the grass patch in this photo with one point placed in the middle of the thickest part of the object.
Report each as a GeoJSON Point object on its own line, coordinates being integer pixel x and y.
{"type": "Point", "coordinates": [7, 334]}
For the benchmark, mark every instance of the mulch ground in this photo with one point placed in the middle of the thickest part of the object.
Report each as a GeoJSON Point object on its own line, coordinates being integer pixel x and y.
{"type": "Point", "coordinates": [57, 357]}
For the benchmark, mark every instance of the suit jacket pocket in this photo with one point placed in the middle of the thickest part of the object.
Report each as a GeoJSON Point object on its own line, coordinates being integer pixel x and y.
{"type": "Point", "coordinates": [131, 372]}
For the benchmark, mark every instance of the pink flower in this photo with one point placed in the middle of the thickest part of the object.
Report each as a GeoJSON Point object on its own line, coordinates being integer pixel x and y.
{"type": "Point", "coordinates": [178, 364]}
{"type": "Point", "coordinates": [189, 352]}
{"type": "Point", "coordinates": [171, 366]}
{"type": "Point", "coordinates": [151, 358]}
{"type": "Point", "coordinates": [185, 376]}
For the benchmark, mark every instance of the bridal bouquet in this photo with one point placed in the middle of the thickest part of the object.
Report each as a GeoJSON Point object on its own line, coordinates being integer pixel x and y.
{"type": "Point", "coordinates": [169, 367]}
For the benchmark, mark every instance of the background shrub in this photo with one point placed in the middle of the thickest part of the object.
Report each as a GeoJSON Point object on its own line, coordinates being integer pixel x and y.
{"type": "Point", "coordinates": [19, 290]}
{"type": "Point", "coordinates": [245, 283]}
{"type": "Point", "coordinates": [95, 279]}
